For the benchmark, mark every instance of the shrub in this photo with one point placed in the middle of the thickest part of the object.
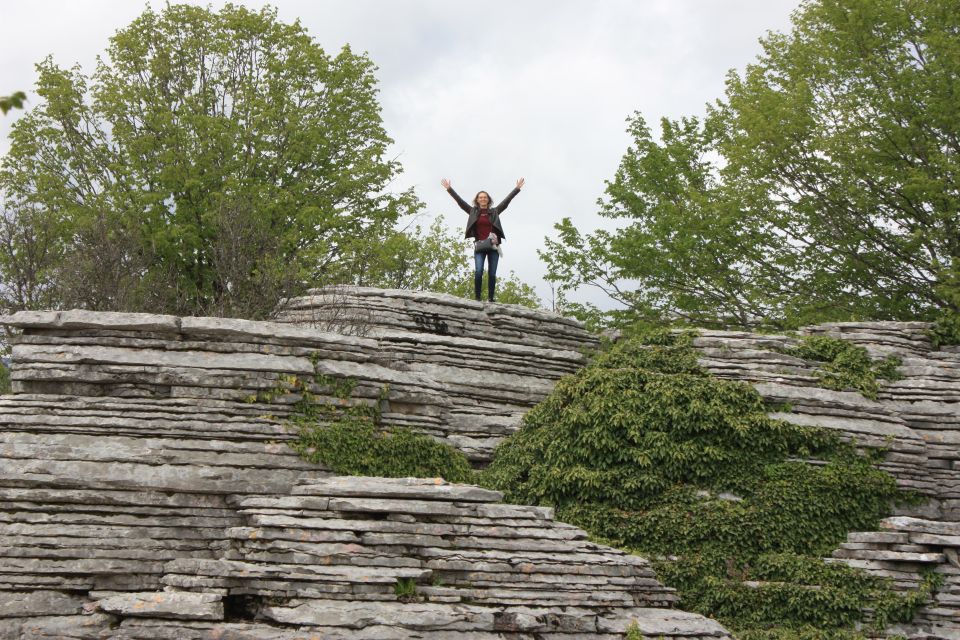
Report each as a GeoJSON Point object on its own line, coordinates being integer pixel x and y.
{"type": "Point", "coordinates": [648, 452]}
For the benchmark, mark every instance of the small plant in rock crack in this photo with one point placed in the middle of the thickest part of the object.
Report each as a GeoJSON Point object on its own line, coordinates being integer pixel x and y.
{"type": "Point", "coordinates": [406, 590]}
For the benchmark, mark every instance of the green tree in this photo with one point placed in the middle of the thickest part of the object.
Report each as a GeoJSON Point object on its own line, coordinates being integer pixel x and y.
{"type": "Point", "coordinates": [13, 101]}
{"type": "Point", "coordinates": [510, 289]}
{"type": "Point", "coordinates": [30, 245]}
{"type": "Point", "coordinates": [213, 163]}
{"type": "Point", "coordinates": [822, 187]}
{"type": "Point", "coordinates": [409, 257]}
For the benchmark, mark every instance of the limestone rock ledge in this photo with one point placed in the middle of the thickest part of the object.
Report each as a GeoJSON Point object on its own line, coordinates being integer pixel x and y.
{"type": "Point", "coordinates": [461, 371]}
{"type": "Point", "coordinates": [905, 550]}
{"type": "Point", "coordinates": [915, 419]}
{"type": "Point", "coordinates": [338, 557]}
{"type": "Point", "coordinates": [147, 490]}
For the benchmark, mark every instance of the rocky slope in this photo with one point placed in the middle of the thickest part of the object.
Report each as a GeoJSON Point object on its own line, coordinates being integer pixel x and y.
{"type": "Point", "coordinates": [148, 492]}
{"type": "Point", "coordinates": [915, 419]}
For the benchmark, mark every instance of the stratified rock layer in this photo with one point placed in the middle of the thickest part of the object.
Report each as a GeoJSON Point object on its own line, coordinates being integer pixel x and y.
{"type": "Point", "coordinates": [458, 370]}
{"type": "Point", "coordinates": [908, 551]}
{"type": "Point", "coordinates": [148, 491]}
{"type": "Point", "coordinates": [492, 362]}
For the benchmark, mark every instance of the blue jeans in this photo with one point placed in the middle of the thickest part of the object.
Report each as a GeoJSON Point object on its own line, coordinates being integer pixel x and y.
{"type": "Point", "coordinates": [493, 258]}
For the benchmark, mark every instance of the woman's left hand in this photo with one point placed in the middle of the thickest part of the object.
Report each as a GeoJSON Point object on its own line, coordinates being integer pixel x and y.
{"type": "Point", "coordinates": [520, 183]}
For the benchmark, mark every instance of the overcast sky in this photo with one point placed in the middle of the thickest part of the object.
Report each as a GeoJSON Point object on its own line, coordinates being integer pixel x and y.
{"type": "Point", "coordinates": [480, 92]}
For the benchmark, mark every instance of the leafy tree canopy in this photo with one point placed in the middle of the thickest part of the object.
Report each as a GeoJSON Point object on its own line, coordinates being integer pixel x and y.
{"type": "Point", "coordinates": [213, 163]}
{"type": "Point", "coordinates": [13, 101]}
{"type": "Point", "coordinates": [823, 186]}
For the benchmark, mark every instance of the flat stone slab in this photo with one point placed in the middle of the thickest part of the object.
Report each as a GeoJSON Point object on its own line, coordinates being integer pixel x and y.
{"type": "Point", "coordinates": [16, 604]}
{"type": "Point", "coordinates": [412, 616]}
{"type": "Point", "coordinates": [402, 488]}
{"type": "Point", "coordinates": [670, 623]}
{"type": "Point", "coordinates": [919, 525]}
{"type": "Point", "coordinates": [80, 319]}
{"type": "Point", "coordinates": [165, 604]}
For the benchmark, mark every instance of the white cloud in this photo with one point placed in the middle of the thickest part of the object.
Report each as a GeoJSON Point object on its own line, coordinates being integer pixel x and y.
{"type": "Point", "coordinates": [482, 92]}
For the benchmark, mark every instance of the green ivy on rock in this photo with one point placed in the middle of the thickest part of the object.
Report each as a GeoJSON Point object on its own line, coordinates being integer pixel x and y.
{"type": "Point", "coordinates": [349, 438]}
{"type": "Point", "coordinates": [846, 366]}
{"type": "Point", "coordinates": [354, 446]}
{"type": "Point", "coordinates": [648, 452]}
{"type": "Point", "coordinates": [946, 329]}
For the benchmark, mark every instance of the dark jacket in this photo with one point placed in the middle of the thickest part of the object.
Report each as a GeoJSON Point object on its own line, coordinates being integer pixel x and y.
{"type": "Point", "coordinates": [473, 213]}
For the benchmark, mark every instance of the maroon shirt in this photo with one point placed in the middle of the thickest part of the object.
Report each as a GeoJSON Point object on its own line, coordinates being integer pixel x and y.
{"type": "Point", "coordinates": [484, 226]}
{"type": "Point", "coordinates": [493, 213]}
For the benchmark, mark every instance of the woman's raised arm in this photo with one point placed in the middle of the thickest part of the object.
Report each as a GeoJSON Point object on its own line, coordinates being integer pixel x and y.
{"type": "Point", "coordinates": [511, 195]}
{"type": "Point", "coordinates": [460, 201]}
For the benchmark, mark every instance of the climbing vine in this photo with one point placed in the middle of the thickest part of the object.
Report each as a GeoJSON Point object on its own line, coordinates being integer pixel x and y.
{"type": "Point", "coordinates": [648, 452]}
{"type": "Point", "coordinates": [946, 330]}
{"type": "Point", "coordinates": [846, 366]}
{"type": "Point", "coordinates": [350, 439]}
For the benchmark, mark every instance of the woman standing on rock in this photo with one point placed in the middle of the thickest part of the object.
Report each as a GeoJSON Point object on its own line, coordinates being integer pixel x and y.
{"type": "Point", "coordinates": [483, 225]}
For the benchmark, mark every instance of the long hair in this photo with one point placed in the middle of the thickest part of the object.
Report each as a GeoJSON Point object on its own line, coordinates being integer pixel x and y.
{"type": "Point", "coordinates": [489, 204]}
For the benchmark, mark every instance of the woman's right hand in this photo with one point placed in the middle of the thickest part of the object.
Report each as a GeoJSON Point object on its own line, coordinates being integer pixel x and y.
{"type": "Point", "coordinates": [445, 183]}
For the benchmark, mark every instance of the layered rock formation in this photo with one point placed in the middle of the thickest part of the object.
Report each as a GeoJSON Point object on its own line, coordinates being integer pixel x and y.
{"type": "Point", "coordinates": [493, 362]}
{"type": "Point", "coordinates": [148, 490]}
{"type": "Point", "coordinates": [915, 419]}
{"type": "Point", "coordinates": [910, 551]}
